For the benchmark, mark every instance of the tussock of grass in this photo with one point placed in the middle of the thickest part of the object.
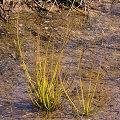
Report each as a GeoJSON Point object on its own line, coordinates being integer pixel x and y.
{"type": "Point", "coordinates": [48, 86]}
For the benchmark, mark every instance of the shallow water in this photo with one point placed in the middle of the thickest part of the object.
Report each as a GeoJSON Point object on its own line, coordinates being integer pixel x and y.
{"type": "Point", "coordinates": [14, 100]}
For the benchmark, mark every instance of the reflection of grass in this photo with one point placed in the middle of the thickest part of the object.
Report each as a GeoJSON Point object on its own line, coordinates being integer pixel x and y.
{"type": "Point", "coordinates": [86, 103]}
{"type": "Point", "coordinates": [47, 89]}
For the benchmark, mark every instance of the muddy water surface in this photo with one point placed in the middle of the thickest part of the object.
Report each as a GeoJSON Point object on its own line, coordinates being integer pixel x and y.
{"type": "Point", "coordinates": [85, 30]}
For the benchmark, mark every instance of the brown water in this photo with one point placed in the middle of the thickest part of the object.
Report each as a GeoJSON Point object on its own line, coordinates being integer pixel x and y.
{"type": "Point", "coordinates": [14, 100]}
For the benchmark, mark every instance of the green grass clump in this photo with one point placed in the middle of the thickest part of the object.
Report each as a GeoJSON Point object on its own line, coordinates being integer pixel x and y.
{"type": "Point", "coordinates": [46, 90]}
